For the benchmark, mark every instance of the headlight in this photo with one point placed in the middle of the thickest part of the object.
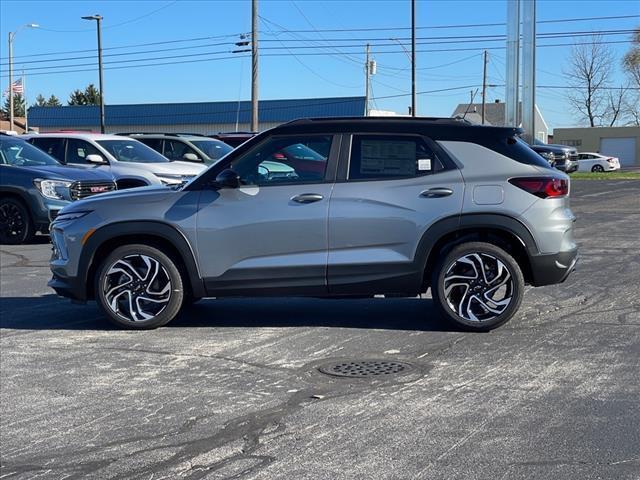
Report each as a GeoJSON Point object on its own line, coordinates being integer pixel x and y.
{"type": "Point", "coordinates": [173, 179]}
{"type": "Point", "coordinates": [65, 217]}
{"type": "Point", "coordinates": [57, 189]}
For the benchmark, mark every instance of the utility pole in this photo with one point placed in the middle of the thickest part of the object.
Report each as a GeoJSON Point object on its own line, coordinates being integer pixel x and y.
{"type": "Point", "coordinates": [513, 63]}
{"type": "Point", "coordinates": [366, 84]}
{"type": "Point", "coordinates": [413, 58]}
{"type": "Point", "coordinates": [529, 69]}
{"type": "Point", "coordinates": [254, 65]}
{"type": "Point", "coordinates": [98, 20]}
{"type": "Point", "coordinates": [484, 84]}
{"type": "Point", "coordinates": [12, 36]}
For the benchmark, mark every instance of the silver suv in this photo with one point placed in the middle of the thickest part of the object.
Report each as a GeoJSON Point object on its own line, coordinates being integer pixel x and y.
{"type": "Point", "coordinates": [189, 147]}
{"type": "Point", "coordinates": [376, 206]}
{"type": "Point", "coordinates": [131, 163]}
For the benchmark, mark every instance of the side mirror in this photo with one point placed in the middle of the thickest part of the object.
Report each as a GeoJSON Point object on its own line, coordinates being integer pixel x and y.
{"type": "Point", "coordinates": [228, 179]}
{"type": "Point", "coordinates": [190, 157]}
{"type": "Point", "coordinates": [97, 159]}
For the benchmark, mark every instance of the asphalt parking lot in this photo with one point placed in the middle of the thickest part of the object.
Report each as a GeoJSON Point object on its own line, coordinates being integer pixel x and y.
{"type": "Point", "coordinates": [232, 390]}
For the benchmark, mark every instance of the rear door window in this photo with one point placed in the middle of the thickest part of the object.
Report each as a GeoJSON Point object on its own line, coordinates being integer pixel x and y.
{"type": "Point", "coordinates": [52, 146]}
{"type": "Point", "coordinates": [384, 157]}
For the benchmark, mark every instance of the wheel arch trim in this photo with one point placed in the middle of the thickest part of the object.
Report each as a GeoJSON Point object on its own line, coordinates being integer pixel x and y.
{"type": "Point", "coordinates": [470, 221]}
{"type": "Point", "coordinates": [158, 229]}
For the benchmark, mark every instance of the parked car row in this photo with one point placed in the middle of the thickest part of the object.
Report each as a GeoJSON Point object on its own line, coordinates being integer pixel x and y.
{"type": "Point", "coordinates": [567, 159]}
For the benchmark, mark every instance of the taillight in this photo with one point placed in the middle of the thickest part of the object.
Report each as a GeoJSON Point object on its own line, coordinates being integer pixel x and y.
{"type": "Point", "coordinates": [610, 160]}
{"type": "Point", "coordinates": [543, 187]}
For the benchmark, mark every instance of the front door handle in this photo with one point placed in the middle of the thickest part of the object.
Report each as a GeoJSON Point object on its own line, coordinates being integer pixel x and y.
{"type": "Point", "coordinates": [436, 192]}
{"type": "Point", "coordinates": [307, 198]}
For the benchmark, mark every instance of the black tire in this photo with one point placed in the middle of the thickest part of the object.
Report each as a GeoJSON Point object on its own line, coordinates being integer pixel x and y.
{"type": "Point", "coordinates": [16, 225]}
{"type": "Point", "coordinates": [491, 256]}
{"type": "Point", "coordinates": [597, 169]}
{"type": "Point", "coordinates": [134, 257]}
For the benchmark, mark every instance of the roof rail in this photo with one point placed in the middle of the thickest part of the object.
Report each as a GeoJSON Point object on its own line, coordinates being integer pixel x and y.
{"type": "Point", "coordinates": [168, 134]}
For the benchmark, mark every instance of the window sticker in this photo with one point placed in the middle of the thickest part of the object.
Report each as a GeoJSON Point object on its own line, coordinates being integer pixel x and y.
{"type": "Point", "coordinates": [424, 164]}
{"type": "Point", "coordinates": [384, 157]}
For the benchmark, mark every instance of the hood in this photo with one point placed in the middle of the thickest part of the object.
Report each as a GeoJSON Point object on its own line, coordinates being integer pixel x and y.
{"type": "Point", "coordinates": [181, 168]}
{"type": "Point", "coordinates": [553, 148]}
{"type": "Point", "coordinates": [60, 172]}
{"type": "Point", "coordinates": [130, 196]}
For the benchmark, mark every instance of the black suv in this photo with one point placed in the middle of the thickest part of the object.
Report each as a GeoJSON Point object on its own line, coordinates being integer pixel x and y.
{"type": "Point", "coordinates": [561, 157]}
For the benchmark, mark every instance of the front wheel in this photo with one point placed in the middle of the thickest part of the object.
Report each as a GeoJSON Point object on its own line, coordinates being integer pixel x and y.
{"type": "Point", "coordinates": [477, 286]}
{"type": "Point", "coordinates": [16, 226]}
{"type": "Point", "coordinates": [139, 287]}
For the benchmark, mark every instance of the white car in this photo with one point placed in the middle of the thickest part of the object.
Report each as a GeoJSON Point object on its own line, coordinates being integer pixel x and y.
{"type": "Point", "coordinates": [594, 162]}
{"type": "Point", "coordinates": [130, 162]}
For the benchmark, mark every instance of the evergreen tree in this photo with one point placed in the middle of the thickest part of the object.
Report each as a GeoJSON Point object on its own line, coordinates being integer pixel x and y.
{"type": "Point", "coordinates": [18, 106]}
{"type": "Point", "coordinates": [53, 102]}
{"type": "Point", "coordinates": [90, 96]}
{"type": "Point", "coordinates": [40, 101]}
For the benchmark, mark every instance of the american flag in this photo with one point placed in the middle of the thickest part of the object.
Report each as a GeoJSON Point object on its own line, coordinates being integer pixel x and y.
{"type": "Point", "coordinates": [16, 87]}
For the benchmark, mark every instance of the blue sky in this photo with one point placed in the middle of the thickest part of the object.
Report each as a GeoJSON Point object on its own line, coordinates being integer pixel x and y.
{"type": "Point", "coordinates": [291, 72]}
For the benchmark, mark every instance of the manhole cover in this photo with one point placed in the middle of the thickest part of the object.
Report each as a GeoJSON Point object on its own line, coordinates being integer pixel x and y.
{"type": "Point", "coordinates": [365, 368]}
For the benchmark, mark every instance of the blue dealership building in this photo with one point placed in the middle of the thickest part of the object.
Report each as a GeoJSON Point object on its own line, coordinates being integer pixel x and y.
{"type": "Point", "coordinates": [198, 117]}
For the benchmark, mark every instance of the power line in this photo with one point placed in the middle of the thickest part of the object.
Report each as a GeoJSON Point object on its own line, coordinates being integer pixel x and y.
{"type": "Point", "coordinates": [288, 55]}
{"type": "Point", "coordinates": [473, 25]}
{"type": "Point", "coordinates": [112, 26]}
{"type": "Point", "coordinates": [322, 30]}
{"type": "Point", "coordinates": [290, 50]}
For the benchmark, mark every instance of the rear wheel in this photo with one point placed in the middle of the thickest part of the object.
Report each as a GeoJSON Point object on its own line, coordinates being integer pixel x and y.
{"type": "Point", "coordinates": [597, 169]}
{"type": "Point", "coordinates": [139, 287]}
{"type": "Point", "coordinates": [478, 286]}
{"type": "Point", "coordinates": [16, 226]}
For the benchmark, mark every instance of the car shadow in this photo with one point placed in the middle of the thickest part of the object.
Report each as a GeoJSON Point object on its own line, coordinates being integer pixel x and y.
{"type": "Point", "coordinates": [50, 312]}
{"type": "Point", "coordinates": [40, 239]}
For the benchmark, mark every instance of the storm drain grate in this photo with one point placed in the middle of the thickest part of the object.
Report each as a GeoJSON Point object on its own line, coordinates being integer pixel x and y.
{"type": "Point", "coordinates": [365, 368]}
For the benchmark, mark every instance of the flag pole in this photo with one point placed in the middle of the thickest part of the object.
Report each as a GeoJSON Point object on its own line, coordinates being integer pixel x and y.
{"type": "Point", "coordinates": [24, 99]}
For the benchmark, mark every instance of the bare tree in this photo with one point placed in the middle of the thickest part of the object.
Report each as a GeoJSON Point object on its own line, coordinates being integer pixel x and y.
{"type": "Point", "coordinates": [589, 73]}
{"type": "Point", "coordinates": [631, 65]}
{"type": "Point", "coordinates": [617, 100]}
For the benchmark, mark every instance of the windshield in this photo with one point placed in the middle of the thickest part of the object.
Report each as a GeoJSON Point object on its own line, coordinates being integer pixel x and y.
{"type": "Point", "coordinates": [302, 152]}
{"type": "Point", "coordinates": [214, 149]}
{"type": "Point", "coordinates": [22, 154]}
{"type": "Point", "coordinates": [132, 151]}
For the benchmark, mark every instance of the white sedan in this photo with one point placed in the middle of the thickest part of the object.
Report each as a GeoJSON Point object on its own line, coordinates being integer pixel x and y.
{"type": "Point", "coordinates": [594, 162]}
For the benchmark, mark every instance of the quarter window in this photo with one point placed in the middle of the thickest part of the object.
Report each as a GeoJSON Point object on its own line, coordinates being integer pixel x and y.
{"type": "Point", "coordinates": [176, 150]}
{"type": "Point", "coordinates": [378, 157]}
{"type": "Point", "coordinates": [295, 159]}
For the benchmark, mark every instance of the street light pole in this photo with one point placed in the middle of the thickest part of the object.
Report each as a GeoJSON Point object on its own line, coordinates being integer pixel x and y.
{"type": "Point", "coordinates": [12, 36]}
{"type": "Point", "coordinates": [413, 58]}
{"type": "Point", "coordinates": [254, 66]}
{"type": "Point", "coordinates": [98, 19]}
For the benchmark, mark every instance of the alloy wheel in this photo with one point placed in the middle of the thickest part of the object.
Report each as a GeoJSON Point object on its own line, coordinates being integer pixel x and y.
{"type": "Point", "coordinates": [137, 288]}
{"type": "Point", "coordinates": [597, 168]}
{"type": "Point", "coordinates": [12, 222]}
{"type": "Point", "coordinates": [478, 287]}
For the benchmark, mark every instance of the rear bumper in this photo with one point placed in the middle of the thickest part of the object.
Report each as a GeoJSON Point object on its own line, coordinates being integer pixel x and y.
{"type": "Point", "coordinates": [554, 268]}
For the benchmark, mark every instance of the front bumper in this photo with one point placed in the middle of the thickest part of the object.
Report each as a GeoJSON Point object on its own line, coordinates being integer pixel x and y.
{"type": "Point", "coordinates": [68, 287]}
{"type": "Point", "coordinates": [553, 268]}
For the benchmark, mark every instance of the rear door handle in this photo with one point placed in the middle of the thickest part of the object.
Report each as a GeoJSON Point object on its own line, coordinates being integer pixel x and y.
{"type": "Point", "coordinates": [307, 198]}
{"type": "Point", "coordinates": [436, 192]}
